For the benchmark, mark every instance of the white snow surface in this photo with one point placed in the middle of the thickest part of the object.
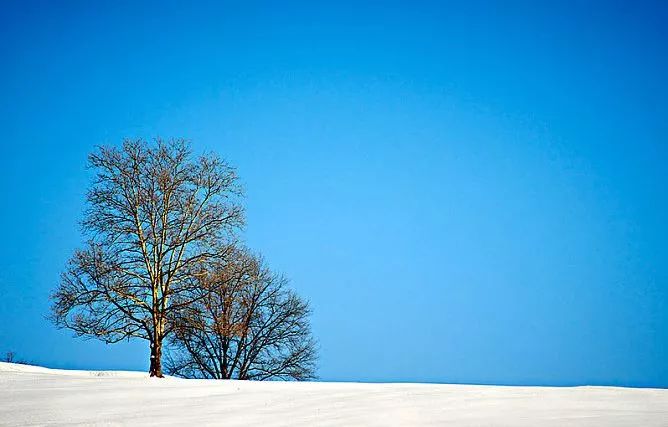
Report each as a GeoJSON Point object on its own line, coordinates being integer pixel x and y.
{"type": "Point", "coordinates": [31, 395]}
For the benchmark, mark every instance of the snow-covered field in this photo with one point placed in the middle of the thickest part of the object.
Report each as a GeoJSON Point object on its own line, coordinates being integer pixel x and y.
{"type": "Point", "coordinates": [32, 395]}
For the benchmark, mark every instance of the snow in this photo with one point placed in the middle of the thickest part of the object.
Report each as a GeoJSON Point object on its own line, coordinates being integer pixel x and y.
{"type": "Point", "coordinates": [31, 395]}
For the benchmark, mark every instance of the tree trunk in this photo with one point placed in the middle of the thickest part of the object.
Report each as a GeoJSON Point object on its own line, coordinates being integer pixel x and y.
{"type": "Point", "coordinates": [155, 369]}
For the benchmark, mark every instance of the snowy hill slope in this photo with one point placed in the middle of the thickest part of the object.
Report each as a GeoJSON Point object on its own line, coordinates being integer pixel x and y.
{"type": "Point", "coordinates": [32, 395]}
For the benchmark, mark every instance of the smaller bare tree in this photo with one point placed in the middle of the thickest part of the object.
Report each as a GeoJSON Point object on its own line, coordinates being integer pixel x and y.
{"type": "Point", "coordinates": [10, 357]}
{"type": "Point", "coordinates": [247, 325]}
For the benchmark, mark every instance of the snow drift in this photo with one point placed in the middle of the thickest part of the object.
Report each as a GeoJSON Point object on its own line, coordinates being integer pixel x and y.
{"type": "Point", "coordinates": [32, 395]}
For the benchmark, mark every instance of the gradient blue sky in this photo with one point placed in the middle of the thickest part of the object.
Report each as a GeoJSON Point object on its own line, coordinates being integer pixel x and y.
{"type": "Point", "coordinates": [466, 192]}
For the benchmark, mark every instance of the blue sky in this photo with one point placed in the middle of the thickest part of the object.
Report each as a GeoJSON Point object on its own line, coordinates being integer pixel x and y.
{"type": "Point", "coordinates": [466, 192]}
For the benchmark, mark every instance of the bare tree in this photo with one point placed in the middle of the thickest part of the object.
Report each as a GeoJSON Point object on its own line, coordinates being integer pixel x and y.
{"type": "Point", "coordinates": [156, 217]}
{"type": "Point", "coordinates": [247, 326]}
{"type": "Point", "coordinates": [10, 357]}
